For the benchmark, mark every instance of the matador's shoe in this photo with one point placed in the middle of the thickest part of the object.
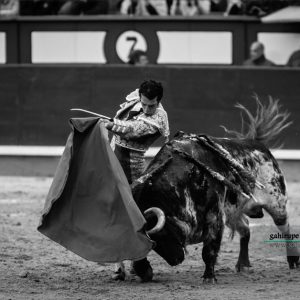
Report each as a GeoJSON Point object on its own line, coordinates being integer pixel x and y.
{"type": "Point", "coordinates": [119, 275]}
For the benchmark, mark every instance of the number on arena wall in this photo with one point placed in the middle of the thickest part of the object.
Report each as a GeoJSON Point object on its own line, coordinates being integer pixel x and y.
{"type": "Point", "coordinates": [128, 41]}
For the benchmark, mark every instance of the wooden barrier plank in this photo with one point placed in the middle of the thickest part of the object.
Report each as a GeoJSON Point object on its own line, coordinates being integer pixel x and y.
{"type": "Point", "coordinates": [35, 100]}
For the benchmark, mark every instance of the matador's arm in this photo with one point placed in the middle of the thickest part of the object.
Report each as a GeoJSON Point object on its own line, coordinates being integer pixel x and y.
{"type": "Point", "coordinates": [132, 129]}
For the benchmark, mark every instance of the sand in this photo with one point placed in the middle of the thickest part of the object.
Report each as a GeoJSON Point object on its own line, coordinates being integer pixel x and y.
{"type": "Point", "coordinates": [34, 267]}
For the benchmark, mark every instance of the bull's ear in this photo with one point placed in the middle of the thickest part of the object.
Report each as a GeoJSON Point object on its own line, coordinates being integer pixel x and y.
{"type": "Point", "coordinates": [179, 134]}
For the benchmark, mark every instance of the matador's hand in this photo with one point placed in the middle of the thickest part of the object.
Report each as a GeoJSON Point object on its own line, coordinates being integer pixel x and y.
{"type": "Point", "coordinates": [108, 124]}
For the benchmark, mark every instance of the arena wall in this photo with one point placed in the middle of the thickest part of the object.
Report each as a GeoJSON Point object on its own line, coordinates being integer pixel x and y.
{"type": "Point", "coordinates": [36, 99]}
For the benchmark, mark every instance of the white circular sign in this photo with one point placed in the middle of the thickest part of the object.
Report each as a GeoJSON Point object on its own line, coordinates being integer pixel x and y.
{"type": "Point", "coordinates": [128, 40]}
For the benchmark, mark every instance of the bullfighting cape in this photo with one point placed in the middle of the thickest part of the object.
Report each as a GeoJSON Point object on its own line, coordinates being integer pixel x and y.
{"type": "Point", "coordinates": [89, 208]}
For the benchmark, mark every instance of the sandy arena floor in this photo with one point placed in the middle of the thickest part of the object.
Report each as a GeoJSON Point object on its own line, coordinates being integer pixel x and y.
{"type": "Point", "coordinates": [34, 267]}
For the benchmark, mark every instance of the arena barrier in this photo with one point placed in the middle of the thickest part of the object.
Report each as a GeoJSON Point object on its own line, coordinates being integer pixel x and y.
{"type": "Point", "coordinates": [56, 151]}
{"type": "Point", "coordinates": [42, 160]}
{"type": "Point", "coordinates": [36, 100]}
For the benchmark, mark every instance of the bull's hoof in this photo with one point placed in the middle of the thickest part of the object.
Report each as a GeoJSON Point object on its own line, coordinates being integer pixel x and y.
{"type": "Point", "coordinates": [143, 269]}
{"type": "Point", "coordinates": [119, 276]}
{"type": "Point", "coordinates": [293, 262]}
{"type": "Point", "coordinates": [209, 280]}
{"type": "Point", "coordinates": [243, 268]}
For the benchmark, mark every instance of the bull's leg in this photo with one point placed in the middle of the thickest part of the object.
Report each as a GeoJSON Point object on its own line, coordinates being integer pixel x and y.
{"type": "Point", "coordinates": [280, 217]}
{"type": "Point", "coordinates": [211, 247]}
{"type": "Point", "coordinates": [143, 269]}
{"type": "Point", "coordinates": [243, 229]}
{"type": "Point", "coordinates": [292, 251]}
{"type": "Point", "coordinates": [119, 273]}
{"type": "Point", "coordinates": [239, 222]}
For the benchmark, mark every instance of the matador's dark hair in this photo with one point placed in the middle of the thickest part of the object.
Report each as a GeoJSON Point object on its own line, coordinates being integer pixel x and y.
{"type": "Point", "coordinates": [151, 89]}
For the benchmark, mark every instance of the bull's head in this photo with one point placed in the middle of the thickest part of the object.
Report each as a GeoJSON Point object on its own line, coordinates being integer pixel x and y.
{"type": "Point", "coordinates": [160, 217]}
{"type": "Point", "coordinates": [153, 197]}
{"type": "Point", "coordinates": [166, 243]}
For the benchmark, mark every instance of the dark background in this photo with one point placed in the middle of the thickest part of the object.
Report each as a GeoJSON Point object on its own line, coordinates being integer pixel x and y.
{"type": "Point", "coordinates": [35, 101]}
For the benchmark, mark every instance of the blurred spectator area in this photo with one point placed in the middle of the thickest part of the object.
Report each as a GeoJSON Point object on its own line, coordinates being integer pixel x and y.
{"type": "Point", "coordinates": [142, 7]}
{"type": "Point", "coordinates": [65, 7]}
{"type": "Point", "coordinates": [9, 7]}
{"type": "Point", "coordinates": [264, 7]}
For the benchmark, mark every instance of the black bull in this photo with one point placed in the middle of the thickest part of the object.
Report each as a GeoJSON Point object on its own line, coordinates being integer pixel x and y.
{"type": "Point", "coordinates": [197, 180]}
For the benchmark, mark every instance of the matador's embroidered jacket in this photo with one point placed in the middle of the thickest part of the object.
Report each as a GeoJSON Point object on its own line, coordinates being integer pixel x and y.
{"type": "Point", "coordinates": [135, 130]}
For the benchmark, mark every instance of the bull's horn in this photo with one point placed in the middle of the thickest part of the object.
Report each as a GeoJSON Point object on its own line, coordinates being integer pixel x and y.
{"type": "Point", "coordinates": [161, 219]}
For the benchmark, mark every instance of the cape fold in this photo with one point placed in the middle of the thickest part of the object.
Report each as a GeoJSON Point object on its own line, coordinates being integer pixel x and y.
{"type": "Point", "coordinates": [90, 209]}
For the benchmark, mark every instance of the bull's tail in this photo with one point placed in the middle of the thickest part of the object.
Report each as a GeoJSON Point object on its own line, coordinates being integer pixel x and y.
{"type": "Point", "coordinates": [265, 125]}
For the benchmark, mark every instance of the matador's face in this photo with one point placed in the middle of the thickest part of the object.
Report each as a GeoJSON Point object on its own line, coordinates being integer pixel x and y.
{"type": "Point", "coordinates": [149, 106]}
